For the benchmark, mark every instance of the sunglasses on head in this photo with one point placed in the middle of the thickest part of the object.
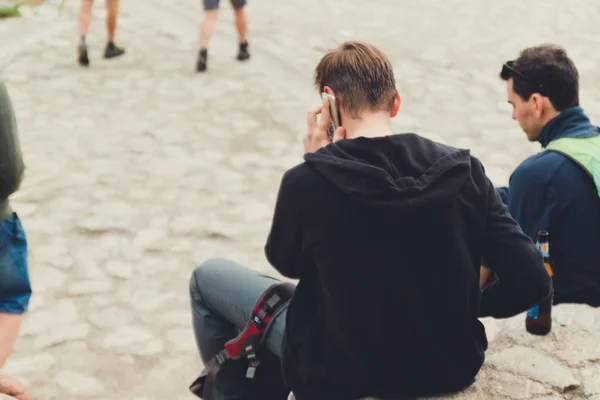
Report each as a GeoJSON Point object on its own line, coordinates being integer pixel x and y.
{"type": "Point", "coordinates": [508, 71]}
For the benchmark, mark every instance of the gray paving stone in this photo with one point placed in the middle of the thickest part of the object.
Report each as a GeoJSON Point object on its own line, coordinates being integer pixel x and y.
{"type": "Point", "coordinates": [76, 383]}
{"type": "Point", "coordinates": [62, 312]}
{"type": "Point", "coordinates": [111, 317]}
{"type": "Point", "coordinates": [591, 381]}
{"type": "Point", "coordinates": [20, 365]}
{"type": "Point", "coordinates": [119, 269]}
{"type": "Point", "coordinates": [89, 287]}
{"type": "Point", "coordinates": [131, 339]}
{"type": "Point", "coordinates": [535, 365]}
{"type": "Point", "coordinates": [61, 334]}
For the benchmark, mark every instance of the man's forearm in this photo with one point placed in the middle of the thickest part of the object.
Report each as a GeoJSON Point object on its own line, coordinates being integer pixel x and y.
{"type": "Point", "coordinates": [507, 299]}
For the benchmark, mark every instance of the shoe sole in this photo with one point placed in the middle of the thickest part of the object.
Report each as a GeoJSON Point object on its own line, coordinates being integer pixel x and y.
{"type": "Point", "coordinates": [108, 57]}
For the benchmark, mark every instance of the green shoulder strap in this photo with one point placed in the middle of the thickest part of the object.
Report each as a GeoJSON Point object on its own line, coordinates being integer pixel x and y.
{"type": "Point", "coordinates": [584, 151]}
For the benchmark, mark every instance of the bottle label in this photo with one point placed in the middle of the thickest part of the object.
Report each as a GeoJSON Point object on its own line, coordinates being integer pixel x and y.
{"type": "Point", "coordinates": [544, 248]}
{"type": "Point", "coordinates": [533, 312]}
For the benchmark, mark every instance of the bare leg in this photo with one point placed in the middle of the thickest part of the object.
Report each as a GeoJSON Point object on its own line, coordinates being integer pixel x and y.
{"type": "Point", "coordinates": [85, 17]}
{"type": "Point", "coordinates": [9, 329]}
{"type": "Point", "coordinates": [241, 23]}
{"type": "Point", "coordinates": [112, 8]}
{"type": "Point", "coordinates": [112, 50]}
{"type": "Point", "coordinates": [207, 27]}
{"type": "Point", "coordinates": [206, 30]}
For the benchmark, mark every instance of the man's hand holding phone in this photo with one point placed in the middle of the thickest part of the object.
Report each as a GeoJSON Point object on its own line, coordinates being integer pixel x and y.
{"type": "Point", "coordinates": [317, 136]}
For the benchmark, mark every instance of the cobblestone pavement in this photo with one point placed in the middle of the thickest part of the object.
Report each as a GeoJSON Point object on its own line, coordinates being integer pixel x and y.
{"type": "Point", "coordinates": [138, 169]}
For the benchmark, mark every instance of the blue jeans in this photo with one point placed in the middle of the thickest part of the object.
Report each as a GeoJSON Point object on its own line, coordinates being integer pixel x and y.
{"type": "Point", "coordinates": [15, 288]}
{"type": "Point", "coordinates": [223, 294]}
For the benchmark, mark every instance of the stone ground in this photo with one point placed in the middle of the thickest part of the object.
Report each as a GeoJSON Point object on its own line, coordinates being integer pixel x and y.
{"type": "Point", "coordinates": [138, 169]}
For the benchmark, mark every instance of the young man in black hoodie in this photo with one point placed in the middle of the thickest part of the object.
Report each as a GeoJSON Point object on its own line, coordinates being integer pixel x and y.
{"type": "Point", "coordinates": [385, 234]}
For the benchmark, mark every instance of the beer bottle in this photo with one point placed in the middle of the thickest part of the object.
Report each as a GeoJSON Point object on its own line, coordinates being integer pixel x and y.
{"type": "Point", "coordinates": [539, 317]}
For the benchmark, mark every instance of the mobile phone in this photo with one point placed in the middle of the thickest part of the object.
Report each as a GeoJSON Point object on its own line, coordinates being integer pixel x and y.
{"type": "Point", "coordinates": [335, 115]}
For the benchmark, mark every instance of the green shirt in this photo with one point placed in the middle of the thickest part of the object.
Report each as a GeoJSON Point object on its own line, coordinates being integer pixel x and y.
{"type": "Point", "coordinates": [11, 159]}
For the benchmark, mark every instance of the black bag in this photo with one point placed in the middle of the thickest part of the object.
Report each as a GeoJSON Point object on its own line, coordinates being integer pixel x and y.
{"type": "Point", "coordinates": [263, 367]}
{"type": "Point", "coordinates": [267, 384]}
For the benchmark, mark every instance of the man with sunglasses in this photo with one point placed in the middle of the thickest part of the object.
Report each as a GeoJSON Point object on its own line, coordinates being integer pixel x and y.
{"type": "Point", "coordinates": [557, 190]}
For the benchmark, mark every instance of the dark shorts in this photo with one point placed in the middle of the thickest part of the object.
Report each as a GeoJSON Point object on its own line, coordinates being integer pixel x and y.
{"type": "Point", "coordinates": [214, 4]}
{"type": "Point", "coordinates": [15, 288]}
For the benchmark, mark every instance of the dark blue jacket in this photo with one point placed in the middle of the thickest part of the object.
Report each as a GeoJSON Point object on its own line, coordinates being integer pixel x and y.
{"type": "Point", "coordinates": [550, 191]}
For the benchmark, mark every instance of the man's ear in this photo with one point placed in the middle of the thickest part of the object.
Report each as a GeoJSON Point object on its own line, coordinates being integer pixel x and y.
{"type": "Point", "coordinates": [328, 90]}
{"type": "Point", "coordinates": [396, 105]}
{"type": "Point", "coordinates": [540, 102]}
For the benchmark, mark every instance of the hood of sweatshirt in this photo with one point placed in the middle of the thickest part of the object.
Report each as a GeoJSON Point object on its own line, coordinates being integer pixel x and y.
{"type": "Point", "coordinates": [399, 171]}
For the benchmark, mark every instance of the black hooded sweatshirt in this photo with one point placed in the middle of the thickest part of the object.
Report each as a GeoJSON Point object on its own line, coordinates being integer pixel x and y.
{"type": "Point", "coordinates": [386, 236]}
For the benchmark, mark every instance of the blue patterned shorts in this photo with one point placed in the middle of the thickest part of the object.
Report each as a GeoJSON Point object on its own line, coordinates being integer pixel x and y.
{"type": "Point", "coordinates": [15, 288]}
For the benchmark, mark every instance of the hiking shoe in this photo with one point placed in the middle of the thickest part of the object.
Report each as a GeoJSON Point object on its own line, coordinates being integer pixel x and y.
{"type": "Point", "coordinates": [243, 53]}
{"type": "Point", "coordinates": [113, 51]}
{"type": "Point", "coordinates": [202, 58]}
{"type": "Point", "coordinates": [82, 54]}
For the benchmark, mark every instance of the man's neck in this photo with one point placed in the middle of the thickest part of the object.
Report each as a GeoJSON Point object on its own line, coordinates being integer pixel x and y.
{"type": "Point", "coordinates": [549, 116]}
{"type": "Point", "coordinates": [368, 125]}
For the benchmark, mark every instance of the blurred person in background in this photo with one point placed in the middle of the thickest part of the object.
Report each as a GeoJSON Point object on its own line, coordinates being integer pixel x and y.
{"type": "Point", "coordinates": [85, 18]}
{"type": "Point", "coordinates": [211, 12]}
{"type": "Point", "coordinates": [15, 288]}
